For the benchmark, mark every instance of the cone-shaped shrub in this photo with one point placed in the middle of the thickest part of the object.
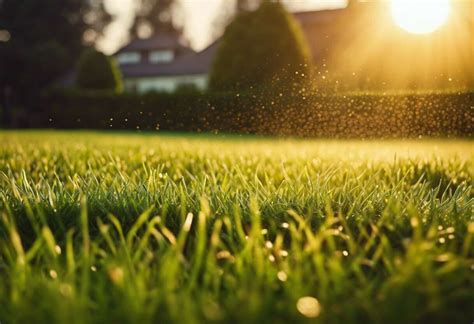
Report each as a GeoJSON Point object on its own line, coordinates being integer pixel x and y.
{"type": "Point", "coordinates": [97, 71]}
{"type": "Point", "coordinates": [262, 49]}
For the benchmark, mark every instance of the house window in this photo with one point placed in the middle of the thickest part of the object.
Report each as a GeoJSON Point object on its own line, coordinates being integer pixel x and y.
{"type": "Point", "coordinates": [161, 56]}
{"type": "Point", "coordinates": [128, 58]}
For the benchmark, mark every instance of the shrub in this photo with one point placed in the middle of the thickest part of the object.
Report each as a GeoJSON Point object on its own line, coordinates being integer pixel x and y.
{"type": "Point", "coordinates": [344, 116]}
{"type": "Point", "coordinates": [97, 71]}
{"type": "Point", "coordinates": [261, 49]}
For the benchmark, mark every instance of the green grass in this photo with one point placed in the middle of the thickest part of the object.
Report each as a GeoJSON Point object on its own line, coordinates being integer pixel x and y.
{"type": "Point", "coordinates": [128, 228]}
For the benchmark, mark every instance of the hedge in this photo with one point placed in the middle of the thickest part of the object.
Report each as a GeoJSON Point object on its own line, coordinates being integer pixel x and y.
{"type": "Point", "coordinates": [351, 116]}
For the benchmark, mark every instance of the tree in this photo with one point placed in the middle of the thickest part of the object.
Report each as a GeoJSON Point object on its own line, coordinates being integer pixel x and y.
{"type": "Point", "coordinates": [97, 71]}
{"type": "Point", "coordinates": [264, 48]}
{"type": "Point", "coordinates": [155, 16]}
{"type": "Point", "coordinates": [246, 5]}
{"type": "Point", "coordinates": [228, 11]}
{"type": "Point", "coordinates": [44, 41]}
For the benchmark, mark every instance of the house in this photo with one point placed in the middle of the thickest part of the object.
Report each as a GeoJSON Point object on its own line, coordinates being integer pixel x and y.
{"type": "Point", "coordinates": [165, 63]}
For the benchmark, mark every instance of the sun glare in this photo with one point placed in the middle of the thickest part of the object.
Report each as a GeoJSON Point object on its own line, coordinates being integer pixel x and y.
{"type": "Point", "coordinates": [420, 16]}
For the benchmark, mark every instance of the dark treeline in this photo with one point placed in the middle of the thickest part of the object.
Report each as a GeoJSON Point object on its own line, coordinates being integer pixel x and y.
{"type": "Point", "coordinates": [42, 41]}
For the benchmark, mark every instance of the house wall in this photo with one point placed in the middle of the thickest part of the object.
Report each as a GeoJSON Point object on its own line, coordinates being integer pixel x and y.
{"type": "Point", "coordinates": [165, 83]}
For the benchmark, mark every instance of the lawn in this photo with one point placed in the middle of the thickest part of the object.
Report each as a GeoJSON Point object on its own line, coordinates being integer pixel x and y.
{"type": "Point", "coordinates": [136, 228]}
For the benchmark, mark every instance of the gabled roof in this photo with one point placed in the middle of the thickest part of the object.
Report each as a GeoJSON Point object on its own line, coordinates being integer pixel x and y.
{"type": "Point", "coordinates": [318, 16]}
{"type": "Point", "coordinates": [155, 42]}
{"type": "Point", "coordinates": [187, 64]}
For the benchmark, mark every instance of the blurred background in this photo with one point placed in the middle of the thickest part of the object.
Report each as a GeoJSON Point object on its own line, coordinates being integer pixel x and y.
{"type": "Point", "coordinates": [117, 55]}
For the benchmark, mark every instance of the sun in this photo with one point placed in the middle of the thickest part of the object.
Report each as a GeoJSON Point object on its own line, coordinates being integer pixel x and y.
{"type": "Point", "coordinates": [420, 16]}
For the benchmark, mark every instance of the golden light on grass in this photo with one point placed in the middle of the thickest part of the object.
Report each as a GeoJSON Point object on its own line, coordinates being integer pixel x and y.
{"type": "Point", "coordinates": [420, 16]}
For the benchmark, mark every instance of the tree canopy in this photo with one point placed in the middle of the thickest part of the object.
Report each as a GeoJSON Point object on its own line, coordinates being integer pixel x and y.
{"type": "Point", "coordinates": [263, 48]}
{"type": "Point", "coordinates": [155, 16]}
{"type": "Point", "coordinates": [45, 38]}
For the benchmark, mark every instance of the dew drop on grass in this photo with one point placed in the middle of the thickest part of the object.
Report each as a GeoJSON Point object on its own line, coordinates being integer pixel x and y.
{"type": "Point", "coordinates": [450, 230]}
{"type": "Point", "coordinates": [116, 275]}
{"type": "Point", "coordinates": [222, 255]}
{"type": "Point", "coordinates": [65, 290]}
{"type": "Point", "coordinates": [443, 257]}
{"type": "Point", "coordinates": [188, 222]}
{"type": "Point", "coordinates": [282, 276]}
{"type": "Point", "coordinates": [308, 306]}
{"type": "Point", "coordinates": [53, 274]}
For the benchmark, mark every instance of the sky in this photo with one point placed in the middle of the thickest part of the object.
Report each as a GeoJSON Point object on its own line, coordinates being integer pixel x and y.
{"type": "Point", "coordinates": [199, 17]}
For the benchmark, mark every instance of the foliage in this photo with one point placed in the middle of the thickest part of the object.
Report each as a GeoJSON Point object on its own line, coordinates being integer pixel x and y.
{"type": "Point", "coordinates": [142, 229]}
{"type": "Point", "coordinates": [264, 48]}
{"type": "Point", "coordinates": [46, 38]}
{"type": "Point", "coordinates": [245, 5]}
{"type": "Point", "coordinates": [156, 15]}
{"type": "Point", "coordinates": [344, 116]}
{"type": "Point", "coordinates": [97, 71]}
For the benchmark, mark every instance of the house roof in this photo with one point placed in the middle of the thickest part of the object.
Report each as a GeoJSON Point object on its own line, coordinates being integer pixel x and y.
{"type": "Point", "coordinates": [187, 64]}
{"type": "Point", "coordinates": [318, 16]}
{"type": "Point", "coordinates": [322, 30]}
{"type": "Point", "coordinates": [157, 41]}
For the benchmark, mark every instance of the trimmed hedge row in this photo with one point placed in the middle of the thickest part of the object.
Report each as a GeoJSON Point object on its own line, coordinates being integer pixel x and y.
{"type": "Point", "coordinates": [356, 116]}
